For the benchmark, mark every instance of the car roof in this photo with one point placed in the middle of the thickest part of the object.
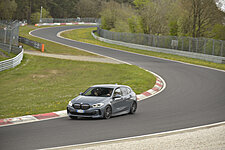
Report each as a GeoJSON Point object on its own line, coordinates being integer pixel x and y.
{"type": "Point", "coordinates": [109, 85]}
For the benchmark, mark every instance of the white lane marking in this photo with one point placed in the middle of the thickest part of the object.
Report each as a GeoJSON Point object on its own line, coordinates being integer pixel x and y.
{"type": "Point", "coordinates": [161, 134]}
{"type": "Point", "coordinates": [31, 121]}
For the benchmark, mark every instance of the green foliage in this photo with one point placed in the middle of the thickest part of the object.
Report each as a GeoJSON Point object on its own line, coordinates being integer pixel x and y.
{"type": "Point", "coordinates": [140, 3]}
{"type": "Point", "coordinates": [134, 24]}
{"type": "Point", "coordinates": [107, 20]}
{"type": "Point", "coordinates": [35, 17]}
{"type": "Point", "coordinates": [122, 19]}
{"type": "Point", "coordinates": [7, 8]}
{"type": "Point", "coordinates": [195, 18]}
{"type": "Point", "coordinates": [218, 31]}
{"type": "Point", "coordinates": [109, 15]}
{"type": "Point", "coordinates": [173, 28]}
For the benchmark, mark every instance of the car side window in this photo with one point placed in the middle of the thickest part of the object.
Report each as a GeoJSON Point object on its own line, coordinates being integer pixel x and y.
{"type": "Point", "coordinates": [128, 90]}
{"type": "Point", "coordinates": [117, 92]}
{"type": "Point", "coordinates": [124, 91]}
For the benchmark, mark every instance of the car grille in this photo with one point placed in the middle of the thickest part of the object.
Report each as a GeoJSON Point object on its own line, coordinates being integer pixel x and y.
{"type": "Point", "coordinates": [85, 106]}
{"type": "Point", "coordinates": [76, 106]}
{"type": "Point", "coordinates": [81, 106]}
{"type": "Point", "coordinates": [85, 114]}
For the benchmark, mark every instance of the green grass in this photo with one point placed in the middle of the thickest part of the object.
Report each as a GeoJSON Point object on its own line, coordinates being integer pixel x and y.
{"type": "Point", "coordinates": [11, 55]}
{"type": "Point", "coordinates": [84, 35]}
{"type": "Point", "coordinates": [42, 84]}
{"type": "Point", "coordinates": [50, 47]}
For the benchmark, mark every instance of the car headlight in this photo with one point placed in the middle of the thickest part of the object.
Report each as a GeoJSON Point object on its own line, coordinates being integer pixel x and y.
{"type": "Point", "coordinates": [70, 103]}
{"type": "Point", "coordinates": [97, 105]}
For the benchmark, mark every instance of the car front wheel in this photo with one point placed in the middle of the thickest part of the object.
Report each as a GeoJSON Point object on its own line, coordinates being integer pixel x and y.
{"type": "Point", "coordinates": [108, 112]}
{"type": "Point", "coordinates": [133, 108]}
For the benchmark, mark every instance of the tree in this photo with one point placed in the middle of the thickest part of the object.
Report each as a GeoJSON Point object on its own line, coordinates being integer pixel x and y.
{"type": "Point", "coordinates": [35, 17]}
{"type": "Point", "coordinates": [88, 8]}
{"type": "Point", "coordinates": [140, 3]}
{"type": "Point", "coordinates": [201, 16]}
{"type": "Point", "coordinates": [218, 32]}
{"type": "Point", "coordinates": [121, 19]}
{"type": "Point", "coordinates": [109, 15]}
{"type": "Point", "coordinates": [7, 8]}
{"type": "Point", "coordinates": [154, 15]}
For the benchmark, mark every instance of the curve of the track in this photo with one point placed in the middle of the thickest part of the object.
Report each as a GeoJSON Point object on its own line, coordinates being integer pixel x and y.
{"type": "Point", "coordinates": [194, 96]}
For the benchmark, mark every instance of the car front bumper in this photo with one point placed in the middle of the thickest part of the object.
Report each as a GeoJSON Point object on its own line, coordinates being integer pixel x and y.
{"type": "Point", "coordinates": [90, 113]}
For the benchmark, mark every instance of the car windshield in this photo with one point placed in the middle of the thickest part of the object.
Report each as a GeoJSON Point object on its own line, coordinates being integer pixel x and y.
{"type": "Point", "coordinates": [98, 91]}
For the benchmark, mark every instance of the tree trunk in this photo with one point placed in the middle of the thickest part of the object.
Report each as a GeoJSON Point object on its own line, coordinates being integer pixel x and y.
{"type": "Point", "coordinates": [194, 18]}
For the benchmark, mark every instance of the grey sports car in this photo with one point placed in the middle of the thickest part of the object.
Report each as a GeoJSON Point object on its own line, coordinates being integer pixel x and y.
{"type": "Point", "coordinates": [103, 101]}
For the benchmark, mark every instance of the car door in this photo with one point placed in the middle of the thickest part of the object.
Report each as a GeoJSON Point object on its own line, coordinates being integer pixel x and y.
{"type": "Point", "coordinates": [117, 102]}
{"type": "Point", "coordinates": [126, 98]}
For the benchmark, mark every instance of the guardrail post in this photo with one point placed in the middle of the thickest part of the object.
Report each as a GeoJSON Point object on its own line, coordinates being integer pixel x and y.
{"type": "Point", "coordinates": [221, 49]}
{"type": "Point", "coordinates": [10, 42]}
{"type": "Point", "coordinates": [5, 29]}
{"type": "Point", "coordinates": [182, 43]}
{"type": "Point", "coordinates": [189, 44]}
{"type": "Point", "coordinates": [213, 47]}
{"type": "Point", "coordinates": [196, 45]}
{"type": "Point", "coordinates": [204, 45]}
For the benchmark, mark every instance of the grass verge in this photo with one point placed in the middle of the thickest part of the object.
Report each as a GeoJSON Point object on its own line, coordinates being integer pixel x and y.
{"type": "Point", "coordinates": [4, 55]}
{"type": "Point", "coordinates": [50, 47]}
{"type": "Point", "coordinates": [84, 35]}
{"type": "Point", "coordinates": [42, 84]}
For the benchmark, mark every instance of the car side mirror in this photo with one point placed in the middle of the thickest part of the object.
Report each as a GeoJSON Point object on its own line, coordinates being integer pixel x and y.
{"type": "Point", "coordinates": [81, 93]}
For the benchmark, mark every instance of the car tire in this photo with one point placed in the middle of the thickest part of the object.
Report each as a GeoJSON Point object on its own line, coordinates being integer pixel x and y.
{"type": "Point", "coordinates": [133, 108]}
{"type": "Point", "coordinates": [73, 117]}
{"type": "Point", "coordinates": [108, 112]}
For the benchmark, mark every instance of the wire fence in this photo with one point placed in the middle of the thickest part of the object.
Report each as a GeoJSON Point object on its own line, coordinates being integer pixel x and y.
{"type": "Point", "coordinates": [189, 44]}
{"type": "Point", "coordinates": [68, 20]}
{"type": "Point", "coordinates": [9, 34]}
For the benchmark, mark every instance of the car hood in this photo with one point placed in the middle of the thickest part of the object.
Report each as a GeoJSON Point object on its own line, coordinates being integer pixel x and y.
{"type": "Point", "coordinates": [89, 99]}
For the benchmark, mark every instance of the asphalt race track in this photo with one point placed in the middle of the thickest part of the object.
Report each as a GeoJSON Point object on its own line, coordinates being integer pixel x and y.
{"type": "Point", "coordinates": [194, 96]}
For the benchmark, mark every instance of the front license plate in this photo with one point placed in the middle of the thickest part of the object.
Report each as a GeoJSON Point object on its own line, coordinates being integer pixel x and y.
{"type": "Point", "coordinates": [80, 111]}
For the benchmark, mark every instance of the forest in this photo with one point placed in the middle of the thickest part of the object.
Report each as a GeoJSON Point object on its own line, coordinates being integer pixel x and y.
{"type": "Point", "coordinates": [194, 18]}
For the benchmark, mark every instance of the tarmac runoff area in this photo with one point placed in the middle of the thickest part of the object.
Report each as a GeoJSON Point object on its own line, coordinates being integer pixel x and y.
{"type": "Point", "coordinates": [205, 138]}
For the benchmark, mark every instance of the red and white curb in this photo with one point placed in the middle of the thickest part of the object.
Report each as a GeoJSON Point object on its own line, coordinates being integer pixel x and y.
{"type": "Point", "coordinates": [158, 87]}
{"type": "Point", "coordinates": [60, 24]}
{"type": "Point", "coordinates": [32, 118]}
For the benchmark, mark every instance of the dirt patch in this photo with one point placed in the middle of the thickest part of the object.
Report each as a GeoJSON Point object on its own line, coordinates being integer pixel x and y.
{"type": "Point", "coordinates": [54, 71]}
{"type": "Point", "coordinates": [49, 73]}
{"type": "Point", "coordinates": [39, 76]}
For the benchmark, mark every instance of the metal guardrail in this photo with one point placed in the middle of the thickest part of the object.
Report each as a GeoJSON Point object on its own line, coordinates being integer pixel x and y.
{"type": "Point", "coordinates": [188, 44]}
{"type": "Point", "coordinates": [68, 20]}
{"type": "Point", "coordinates": [211, 58]}
{"type": "Point", "coordinates": [13, 62]}
{"type": "Point", "coordinates": [31, 43]}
